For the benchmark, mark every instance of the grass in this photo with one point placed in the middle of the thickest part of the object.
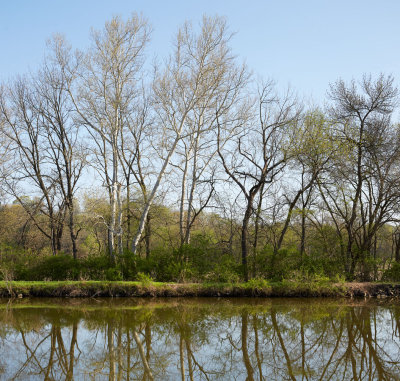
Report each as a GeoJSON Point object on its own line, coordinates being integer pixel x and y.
{"type": "Point", "coordinates": [255, 287]}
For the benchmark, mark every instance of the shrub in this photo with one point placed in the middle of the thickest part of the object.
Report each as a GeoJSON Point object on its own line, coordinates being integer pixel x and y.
{"type": "Point", "coordinates": [58, 267]}
{"type": "Point", "coordinates": [257, 284]}
{"type": "Point", "coordinates": [226, 270]}
{"type": "Point", "coordinates": [144, 279]}
{"type": "Point", "coordinates": [95, 267]}
{"type": "Point", "coordinates": [277, 265]}
{"type": "Point", "coordinates": [392, 274]}
{"type": "Point", "coordinates": [113, 274]}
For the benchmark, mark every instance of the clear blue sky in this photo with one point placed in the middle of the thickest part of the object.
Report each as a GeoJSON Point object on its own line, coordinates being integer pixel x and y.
{"type": "Point", "coordinates": [306, 44]}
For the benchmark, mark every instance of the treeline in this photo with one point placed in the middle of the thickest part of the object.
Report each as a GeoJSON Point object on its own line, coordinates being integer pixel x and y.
{"type": "Point", "coordinates": [197, 171]}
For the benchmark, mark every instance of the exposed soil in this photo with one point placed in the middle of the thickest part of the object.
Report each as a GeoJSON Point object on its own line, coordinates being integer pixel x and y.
{"type": "Point", "coordinates": [379, 290]}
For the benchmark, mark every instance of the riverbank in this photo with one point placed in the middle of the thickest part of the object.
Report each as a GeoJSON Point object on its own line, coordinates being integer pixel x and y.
{"type": "Point", "coordinates": [157, 289]}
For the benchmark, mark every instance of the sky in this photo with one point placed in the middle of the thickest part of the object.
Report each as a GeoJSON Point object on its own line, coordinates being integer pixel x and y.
{"type": "Point", "coordinates": [306, 44]}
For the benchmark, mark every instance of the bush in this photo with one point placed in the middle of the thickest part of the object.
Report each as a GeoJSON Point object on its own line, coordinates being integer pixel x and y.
{"type": "Point", "coordinates": [113, 274]}
{"type": "Point", "coordinates": [392, 274]}
{"type": "Point", "coordinates": [144, 279]}
{"type": "Point", "coordinates": [58, 267]}
{"type": "Point", "coordinates": [257, 284]}
{"type": "Point", "coordinates": [166, 266]}
{"type": "Point", "coordinates": [226, 270]}
{"type": "Point", "coordinates": [63, 267]}
{"type": "Point", "coordinates": [304, 276]}
{"type": "Point", "coordinates": [277, 265]}
{"type": "Point", "coordinates": [95, 267]}
{"type": "Point", "coordinates": [17, 261]}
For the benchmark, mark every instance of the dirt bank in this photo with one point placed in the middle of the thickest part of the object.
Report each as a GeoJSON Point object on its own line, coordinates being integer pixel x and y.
{"type": "Point", "coordinates": [154, 289]}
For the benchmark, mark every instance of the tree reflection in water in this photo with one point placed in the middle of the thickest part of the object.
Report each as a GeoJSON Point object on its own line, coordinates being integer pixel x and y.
{"type": "Point", "coordinates": [199, 339]}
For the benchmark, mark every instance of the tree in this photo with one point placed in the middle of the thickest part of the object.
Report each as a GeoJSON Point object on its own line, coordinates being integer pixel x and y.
{"type": "Point", "coordinates": [30, 164]}
{"type": "Point", "coordinates": [256, 155]}
{"type": "Point", "coordinates": [104, 94]}
{"type": "Point", "coordinates": [311, 151]}
{"type": "Point", "coordinates": [201, 74]}
{"type": "Point", "coordinates": [4, 149]}
{"type": "Point", "coordinates": [360, 189]}
{"type": "Point", "coordinates": [137, 158]}
{"type": "Point", "coordinates": [64, 151]}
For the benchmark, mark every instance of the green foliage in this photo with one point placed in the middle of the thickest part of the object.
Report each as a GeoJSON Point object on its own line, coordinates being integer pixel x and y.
{"type": "Point", "coordinates": [189, 263]}
{"type": "Point", "coordinates": [258, 284]}
{"type": "Point", "coordinates": [368, 267]}
{"type": "Point", "coordinates": [203, 260]}
{"type": "Point", "coordinates": [276, 265]}
{"type": "Point", "coordinates": [58, 267]}
{"type": "Point", "coordinates": [94, 267]}
{"type": "Point", "coordinates": [127, 263]}
{"type": "Point", "coordinates": [393, 273]}
{"type": "Point", "coordinates": [15, 262]}
{"type": "Point", "coordinates": [287, 263]}
{"type": "Point", "coordinates": [30, 267]}
{"type": "Point", "coordinates": [162, 265]}
{"type": "Point", "coordinates": [113, 274]}
{"type": "Point", "coordinates": [303, 276]}
{"type": "Point", "coordinates": [225, 270]}
{"type": "Point", "coordinates": [339, 278]}
{"type": "Point", "coordinates": [144, 279]}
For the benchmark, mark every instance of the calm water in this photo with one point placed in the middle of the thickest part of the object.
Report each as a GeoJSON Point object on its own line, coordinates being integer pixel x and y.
{"type": "Point", "coordinates": [199, 339]}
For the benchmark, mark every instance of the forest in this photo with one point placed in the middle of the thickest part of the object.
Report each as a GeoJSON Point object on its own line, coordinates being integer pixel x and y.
{"type": "Point", "coordinates": [118, 166]}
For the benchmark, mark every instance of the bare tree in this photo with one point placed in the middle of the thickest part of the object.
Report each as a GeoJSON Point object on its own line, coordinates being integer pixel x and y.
{"type": "Point", "coordinates": [311, 151]}
{"type": "Point", "coordinates": [4, 149]}
{"type": "Point", "coordinates": [137, 158]}
{"type": "Point", "coordinates": [258, 153]}
{"type": "Point", "coordinates": [64, 151]}
{"type": "Point", "coordinates": [200, 74]}
{"type": "Point", "coordinates": [198, 150]}
{"type": "Point", "coordinates": [105, 90]}
{"type": "Point", "coordinates": [31, 166]}
{"type": "Point", "coordinates": [360, 189]}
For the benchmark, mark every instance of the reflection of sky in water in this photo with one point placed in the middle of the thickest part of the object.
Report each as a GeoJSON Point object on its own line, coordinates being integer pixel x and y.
{"type": "Point", "coordinates": [226, 341]}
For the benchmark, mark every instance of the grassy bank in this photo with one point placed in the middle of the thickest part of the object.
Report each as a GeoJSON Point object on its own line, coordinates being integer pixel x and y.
{"type": "Point", "coordinates": [158, 289]}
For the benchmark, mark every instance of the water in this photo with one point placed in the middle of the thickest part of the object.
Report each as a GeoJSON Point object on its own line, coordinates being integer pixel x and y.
{"type": "Point", "coordinates": [199, 339]}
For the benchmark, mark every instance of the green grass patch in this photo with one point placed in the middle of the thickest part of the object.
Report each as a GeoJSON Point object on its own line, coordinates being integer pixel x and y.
{"type": "Point", "coordinates": [147, 287]}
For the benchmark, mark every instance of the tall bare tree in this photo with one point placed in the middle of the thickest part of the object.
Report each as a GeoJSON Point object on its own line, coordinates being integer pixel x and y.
{"type": "Point", "coordinates": [4, 149]}
{"type": "Point", "coordinates": [106, 87]}
{"type": "Point", "coordinates": [64, 151]}
{"type": "Point", "coordinates": [360, 192]}
{"type": "Point", "coordinates": [137, 156]}
{"type": "Point", "coordinates": [200, 74]}
{"type": "Point", "coordinates": [32, 169]}
{"type": "Point", "coordinates": [258, 153]}
{"type": "Point", "coordinates": [311, 151]}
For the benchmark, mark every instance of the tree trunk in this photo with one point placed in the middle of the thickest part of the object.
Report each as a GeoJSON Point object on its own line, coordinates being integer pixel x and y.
{"type": "Point", "coordinates": [182, 202]}
{"type": "Point", "coordinates": [146, 209]}
{"type": "Point", "coordinates": [119, 220]}
{"type": "Point", "coordinates": [148, 235]}
{"type": "Point", "coordinates": [256, 229]}
{"type": "Point", "coordinates": [72, 233]}
{"type": "Point", "coordinates": [244, 238]}
{"type": "Point", "coordinates": [303, 236]}
{"type": "Point", "coordinates": [128, 215]}
{"type": "Point", "coordinates": [71, 223]}
{"type": "Point", "coordinates": [397, 247]}
{"type": "Point", "coordinates": [111, 227]}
